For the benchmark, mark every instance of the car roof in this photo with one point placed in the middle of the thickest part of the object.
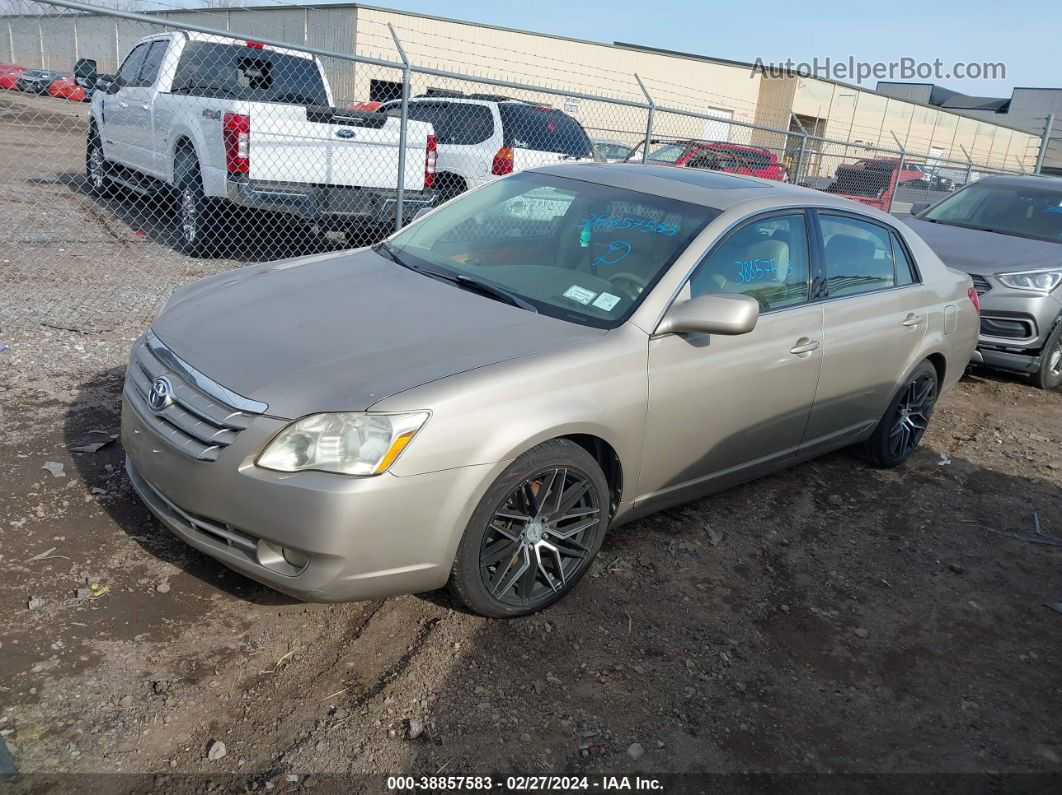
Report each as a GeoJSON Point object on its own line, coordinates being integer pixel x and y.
{"type": "Point", "coordinates": [1022, 180]}
{"type": "Point", "coordinates": [720, 190]}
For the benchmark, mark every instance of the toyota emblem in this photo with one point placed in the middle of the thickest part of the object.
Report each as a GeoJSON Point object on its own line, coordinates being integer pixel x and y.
{"type": "Point", "coordinates": [161, 394]}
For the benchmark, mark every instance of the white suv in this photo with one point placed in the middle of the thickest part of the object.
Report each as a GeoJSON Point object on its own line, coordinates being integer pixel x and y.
{"type": "Point", "coordinates": [480, 137]}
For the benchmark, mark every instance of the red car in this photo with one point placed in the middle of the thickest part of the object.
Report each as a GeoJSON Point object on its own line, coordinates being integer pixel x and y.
{"type": "Point", "coordinates": [9, 75]}
{"type": "Point", "coordinates": [66, 88]}
{"type": "Point", "coordinates": [719, 156]}
{"type": "Point", "coordinates": [871, 182]}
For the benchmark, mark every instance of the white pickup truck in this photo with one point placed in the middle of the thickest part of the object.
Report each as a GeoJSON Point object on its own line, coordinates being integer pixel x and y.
{"type": "Point", "coordinates": [226, 121]}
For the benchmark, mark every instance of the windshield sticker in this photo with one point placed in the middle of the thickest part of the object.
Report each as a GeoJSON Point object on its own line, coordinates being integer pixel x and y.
{"type": "Point", "coordinates": [579, 294]}
{"type": "Point", "coordinates": [606, 301]}
{"type": "Point", "coordinates": [617, 250]}
{"type": "Point", "coordinates": [644, 225]}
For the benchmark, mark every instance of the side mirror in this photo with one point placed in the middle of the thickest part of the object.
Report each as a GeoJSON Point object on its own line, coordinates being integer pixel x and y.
{"type": "Point", "coordinates": [713, 313]}
{"type": "Point", "coordinates": [919, 207]}
{"type": "Point", "coordinates": [114, 86]}
{"type": "Point", "coordinates": [85, 74]}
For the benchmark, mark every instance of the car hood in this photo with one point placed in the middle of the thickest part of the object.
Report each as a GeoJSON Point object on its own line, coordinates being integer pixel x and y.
{"type": "Point", "coordinates": [340, 332]}
{"type": "Point", "coordinates": [975, 251]}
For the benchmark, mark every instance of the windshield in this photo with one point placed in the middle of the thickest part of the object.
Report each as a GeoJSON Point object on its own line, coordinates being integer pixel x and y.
{"type": "Point", "coordinates": [574, 250]}
{"type": "Point", "coordinates": [670, 153]}
{"type": "Point", "coordinates": [1029, 210]}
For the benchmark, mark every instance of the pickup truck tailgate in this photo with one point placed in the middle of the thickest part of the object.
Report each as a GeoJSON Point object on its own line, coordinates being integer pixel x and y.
{"type": "Point", "coordinates": [333, 146]}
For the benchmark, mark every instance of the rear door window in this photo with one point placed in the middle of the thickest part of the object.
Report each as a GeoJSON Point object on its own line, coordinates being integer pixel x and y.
{"type": "Point", "coordinates": [858, 256]}
{"type": "Point", "coordinates": [543, 129]}
{"type": "Point", "coordinates": [249, 73]}
{"type": "Point", "coordinates": [149, 71]}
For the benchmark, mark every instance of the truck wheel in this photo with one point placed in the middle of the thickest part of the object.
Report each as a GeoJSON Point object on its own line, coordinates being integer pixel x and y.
{"type": "Point", "coordinates": [196, 216]}
{"type": "Point", "coordinates": [1049, 376]}
{"type": "Point", "coordinates": [96, 166]}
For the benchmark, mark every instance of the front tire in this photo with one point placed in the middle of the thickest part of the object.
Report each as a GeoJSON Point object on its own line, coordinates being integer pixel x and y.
{"type": "Point", "coordinates": [904, 422]}
{"type": "Point", "coordinates": [1049, 376]}
{"type": "Point", "coordinates": [534, 534]}
{"type": "Point", "coordinates": [96, 166]}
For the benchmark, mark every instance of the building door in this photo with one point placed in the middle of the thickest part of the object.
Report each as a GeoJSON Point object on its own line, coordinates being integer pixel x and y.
{"type": "Point", "coordinates": [718, 130]}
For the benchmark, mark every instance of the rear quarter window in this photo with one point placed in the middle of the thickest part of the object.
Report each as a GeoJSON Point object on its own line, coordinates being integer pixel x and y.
{"type": "Point", "coordinates": [544, 130]}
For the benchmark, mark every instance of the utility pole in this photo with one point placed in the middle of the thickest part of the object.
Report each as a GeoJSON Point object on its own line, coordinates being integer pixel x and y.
{"type": "Point", "coordinates": [1045, 141]}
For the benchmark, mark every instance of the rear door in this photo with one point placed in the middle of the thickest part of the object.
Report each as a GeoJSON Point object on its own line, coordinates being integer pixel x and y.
{"type": "Point", "coordinates": [874, 319]}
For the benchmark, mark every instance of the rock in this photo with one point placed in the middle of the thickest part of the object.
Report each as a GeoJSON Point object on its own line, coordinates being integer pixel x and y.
{"type": "Point", "coordinates": [163, 587]}
{"type": "Point", "coordinates": [34, 603]}
{"type": "Point", "coordinates": [740, 686]}
{"type": "Point", "coordinates": [415, 728]}
{"type": "Point", "coordinates": [956, 568]}
{"type": "Point", "coordinates": [83, 593]}
{"type": "Point", "coordinates": [715, 536]}
{"type": "Point", "coordinates": [835, 500]}
{"type": "Point", "coordinates": [525, 737]}
{"type": "Point", "coordinates": [553, 680]}
{"type": "Point", "coordinates": [860, 632]}
{"type": "Point", "coordinates": [56, 469]}
{"type": "Point", "coordinates": [215, 750]}
{"type": "Point", "coordinates": [635, 751]}
{"type": "Point", "coordinates": [125, 702]}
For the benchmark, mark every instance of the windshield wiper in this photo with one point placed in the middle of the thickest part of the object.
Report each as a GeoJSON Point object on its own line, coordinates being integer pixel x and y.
{"type": "Point", "coordinates": [492, 291]}
{"type": "Point", "coordinates": [460, 280]}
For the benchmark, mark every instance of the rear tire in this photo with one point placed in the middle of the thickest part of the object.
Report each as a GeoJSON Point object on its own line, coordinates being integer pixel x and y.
{"type": "Point", "coordinates": [1049, 376]}
{"type": "Point", "coordinates": [96, 166]}
{"type": "Point", "coordinates": [904, 422]}
{"type": "Point", "coordinates": [197, 222]}
{"type": "Point", "coordinates": [534, 534]}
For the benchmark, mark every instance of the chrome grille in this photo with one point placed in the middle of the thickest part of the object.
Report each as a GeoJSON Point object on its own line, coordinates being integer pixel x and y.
{"type": "Point", "coordinates": [981, 284]}
{"type": "Point", "coordinates": [197, 422]}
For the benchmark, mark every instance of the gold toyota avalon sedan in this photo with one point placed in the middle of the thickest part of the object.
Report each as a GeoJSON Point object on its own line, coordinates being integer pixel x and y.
{"type": "Point", "coordinates": [478, 399]}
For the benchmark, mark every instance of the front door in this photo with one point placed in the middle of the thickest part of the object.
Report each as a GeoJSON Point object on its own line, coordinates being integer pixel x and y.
{"type": "Point", "coordinates": [874, 319]}
{"type": "Point", "coordinates": [723, 409]}
{"type": "Point", "coordinates": [118, 113]}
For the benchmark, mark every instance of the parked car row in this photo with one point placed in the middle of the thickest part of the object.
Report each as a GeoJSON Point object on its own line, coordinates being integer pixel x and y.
{"type": "Point", "coordinates": [44, 82]}
{"type": "Point", "coordinates": [714, 156]}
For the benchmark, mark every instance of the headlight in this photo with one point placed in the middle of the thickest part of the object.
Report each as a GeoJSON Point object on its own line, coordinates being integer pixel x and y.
{"type": "Point", "coordinates": [348, 443]}
{"type": "Point", "coordinates": [1042, 281]}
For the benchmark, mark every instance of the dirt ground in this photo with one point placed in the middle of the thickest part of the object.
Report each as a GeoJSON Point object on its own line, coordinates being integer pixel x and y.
{"type": "Point", "coordinates": [828, 619]}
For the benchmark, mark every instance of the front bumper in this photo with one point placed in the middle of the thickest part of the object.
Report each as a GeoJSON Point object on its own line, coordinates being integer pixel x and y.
{"type": "Point", "coordinates": [327, 202]}
{"type": "Point", "coordinates": [1015, 325]}
{"type": "Point", "coordinates": [363, 538]}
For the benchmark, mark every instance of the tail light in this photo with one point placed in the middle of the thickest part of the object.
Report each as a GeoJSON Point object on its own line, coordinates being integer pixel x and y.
{"type": "Point", "coordinates": [236, 129]}
{"type": "Point", "coordinates": [255, 45]}
{"type": "Point", "coordinates": [975, 299]}
{"type": "Point", "coordinates": [431, 157]}
{"type": "Point", "coordinates": [503, 162]}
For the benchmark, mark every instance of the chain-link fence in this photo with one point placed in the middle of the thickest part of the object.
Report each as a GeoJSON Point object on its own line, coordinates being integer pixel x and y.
{"type": "Point", "coordinates": [152, 151]}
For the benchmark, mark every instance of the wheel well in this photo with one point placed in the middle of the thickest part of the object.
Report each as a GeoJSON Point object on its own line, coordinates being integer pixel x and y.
{"type": "Point", "coordinates": [606, 458]}
{"type": "Point", "coordinates": [448, 179]}
{"type": "Point", "coordinates": [940, 364]}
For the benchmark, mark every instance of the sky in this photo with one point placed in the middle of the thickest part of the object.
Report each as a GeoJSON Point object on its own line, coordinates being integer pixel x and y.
{"type": "Point", "coordinates": [1024, 36]}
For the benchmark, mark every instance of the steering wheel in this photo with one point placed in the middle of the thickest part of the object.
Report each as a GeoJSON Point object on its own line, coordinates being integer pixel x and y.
{"type": "Point", "coordinates": [630, 283]}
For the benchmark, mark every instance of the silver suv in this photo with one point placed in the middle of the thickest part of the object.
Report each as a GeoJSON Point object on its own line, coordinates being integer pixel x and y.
{"type": "Point", "coordinates": [1006, 232]}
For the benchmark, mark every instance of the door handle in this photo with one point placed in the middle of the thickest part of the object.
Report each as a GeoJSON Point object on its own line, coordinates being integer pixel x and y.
{"type": "Point", "coordinates": [912, 320]}
{"type": "Point", "coordinates": [804, 345]}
